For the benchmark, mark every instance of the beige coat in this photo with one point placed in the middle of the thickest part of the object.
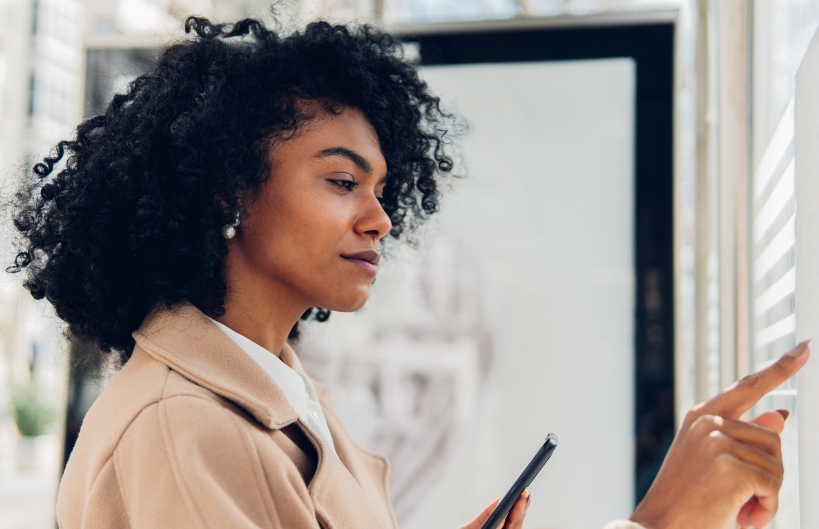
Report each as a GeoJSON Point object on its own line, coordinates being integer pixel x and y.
{"type": "Point", "coordinates": [193, 433]}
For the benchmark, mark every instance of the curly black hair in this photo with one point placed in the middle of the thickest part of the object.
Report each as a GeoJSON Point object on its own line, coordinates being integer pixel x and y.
{"type": "Point", "coordinates": [127, 215]}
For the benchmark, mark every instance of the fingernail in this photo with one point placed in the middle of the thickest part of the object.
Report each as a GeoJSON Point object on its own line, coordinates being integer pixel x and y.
{"type": "Point", "coordinates": [784, 413]}
{"type": "Point", "coordinates": [799, 350]}
{"type": "Point", "coordinates": [525, 493]}
{"type": "Point", "coordinates": [526, 507]}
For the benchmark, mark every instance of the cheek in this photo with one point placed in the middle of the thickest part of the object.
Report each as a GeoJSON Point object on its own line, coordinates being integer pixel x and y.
{"type": "Point", "coordinates": [315, 227]}
{"type": "Point", "coordinates": [299, 242]}
{"type": "Point", "coordinates": [300, 237]}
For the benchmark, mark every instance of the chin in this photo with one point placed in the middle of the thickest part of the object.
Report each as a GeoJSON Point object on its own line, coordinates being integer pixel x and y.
{"type": "Point", "coordinates": [348, 303]}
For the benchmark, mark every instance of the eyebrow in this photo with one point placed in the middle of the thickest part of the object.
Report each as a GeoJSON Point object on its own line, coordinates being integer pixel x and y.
{"type": "Point", "coordinates": [351, 155]}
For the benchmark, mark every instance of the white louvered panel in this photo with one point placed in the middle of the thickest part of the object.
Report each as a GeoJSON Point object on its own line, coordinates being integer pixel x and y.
{"type": "Point", "coordinates": [773, 190]}
{"type": "Point", "coordinates": [773, 232]}
{"type": "Point", "coordinates": [774, 236]}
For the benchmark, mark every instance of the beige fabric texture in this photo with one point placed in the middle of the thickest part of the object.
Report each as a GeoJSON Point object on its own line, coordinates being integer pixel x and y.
{"type": "Point", "coordinates": [192, 433]}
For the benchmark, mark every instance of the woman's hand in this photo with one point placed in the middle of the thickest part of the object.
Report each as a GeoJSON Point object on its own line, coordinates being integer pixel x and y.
{"type": "Point", "coordinates": [514, 520]}
{"type": "Point", "coordinates": [720, 469]}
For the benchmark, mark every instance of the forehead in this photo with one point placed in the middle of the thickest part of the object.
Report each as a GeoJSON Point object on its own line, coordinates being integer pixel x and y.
{"type": "Point", "coordinates": [349, 128]}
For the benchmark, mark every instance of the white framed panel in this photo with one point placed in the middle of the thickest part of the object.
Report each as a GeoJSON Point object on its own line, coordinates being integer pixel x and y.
{"type": "Point", "coordinates": [548, 209]}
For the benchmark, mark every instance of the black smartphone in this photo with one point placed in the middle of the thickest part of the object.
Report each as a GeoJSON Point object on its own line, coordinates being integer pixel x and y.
{"type": "Point", "coordinates": [525, 479]}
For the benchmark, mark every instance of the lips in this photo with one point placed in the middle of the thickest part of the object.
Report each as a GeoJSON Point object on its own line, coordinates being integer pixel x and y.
{"type": "Point", "coordinates": [367, 259]}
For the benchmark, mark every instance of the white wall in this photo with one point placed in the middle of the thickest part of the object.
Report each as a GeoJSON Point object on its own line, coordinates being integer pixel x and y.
{"type": "Point", "coordinates": [807, 277]}
{"type": "Point", "coordinates": [548, 209]}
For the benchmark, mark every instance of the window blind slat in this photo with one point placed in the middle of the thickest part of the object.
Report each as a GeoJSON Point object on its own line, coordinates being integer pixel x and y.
{"type": "Point", "coordinates": [779, 198]}
{"type": "Point", "coordinates": [773, 154]}
{"type": "Point", "coordinates": [777, 330]}
{"type": "Point", "coordinates": [777, 292]}
{"type": "Point", "coordinates": [780, 244]}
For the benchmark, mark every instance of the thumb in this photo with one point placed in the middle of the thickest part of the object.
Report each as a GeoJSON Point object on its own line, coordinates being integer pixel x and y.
{"type": "Point", "coordinates": [772, 420]}
{"type": "Point", "coordinates": [478, 522]}
{"type": "Point", "coordinates": [744, 516]}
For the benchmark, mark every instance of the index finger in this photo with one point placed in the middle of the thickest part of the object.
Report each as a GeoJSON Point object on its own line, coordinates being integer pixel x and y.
{"type": "Point", "coordinates": [743, 395]}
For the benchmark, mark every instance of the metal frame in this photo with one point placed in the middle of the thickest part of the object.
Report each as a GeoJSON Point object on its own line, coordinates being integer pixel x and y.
{"type": "Point", "coordinates": [690, 155]}
{"type": "Point", "coordinates": [624, 18]}
{"type": "Point", "coordinates": [120, 41]}
{"type": "Point", "coordinates": [651, 46]}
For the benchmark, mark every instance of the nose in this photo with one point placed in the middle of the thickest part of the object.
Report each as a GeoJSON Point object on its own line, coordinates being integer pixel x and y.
{"type": "Point", "coordinates": [374, 221]}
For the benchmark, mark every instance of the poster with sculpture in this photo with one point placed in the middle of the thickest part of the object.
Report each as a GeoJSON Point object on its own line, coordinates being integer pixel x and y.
{"type": "Point", "coordinates": [408, 373]}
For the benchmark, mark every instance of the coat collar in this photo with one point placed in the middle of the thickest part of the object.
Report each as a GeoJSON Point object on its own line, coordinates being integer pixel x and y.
{"type": "Point", "coordinates": [348, 490]}
{"type": "Point", "coordinates": [185, 340]}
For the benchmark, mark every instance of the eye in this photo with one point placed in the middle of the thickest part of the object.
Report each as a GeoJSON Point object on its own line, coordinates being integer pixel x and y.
{"type": "Point", "coordinates": [348, 185]}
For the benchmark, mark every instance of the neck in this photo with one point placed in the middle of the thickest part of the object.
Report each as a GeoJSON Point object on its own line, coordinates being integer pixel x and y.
{"type": "Point", "coordinates": [262, 311]}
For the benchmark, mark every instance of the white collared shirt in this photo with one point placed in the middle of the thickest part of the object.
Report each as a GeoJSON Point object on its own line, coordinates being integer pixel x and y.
{"type": "Point", "coordinates": [297, 387]}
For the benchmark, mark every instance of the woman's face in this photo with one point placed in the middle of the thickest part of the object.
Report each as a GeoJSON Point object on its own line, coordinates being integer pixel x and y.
{"type": "Point", "coordinates": [311, 237]}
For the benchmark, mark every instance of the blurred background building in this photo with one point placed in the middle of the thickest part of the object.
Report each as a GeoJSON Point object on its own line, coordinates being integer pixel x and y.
{"type": "Point", "coordinates": [660, 267]}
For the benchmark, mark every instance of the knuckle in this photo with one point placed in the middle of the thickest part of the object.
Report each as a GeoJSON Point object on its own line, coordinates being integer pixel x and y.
{"type": "Point", "coordinates": [753, 384]}
{"type": "Point", "coordinates": [782, 366]}
{"type": "Point", "coordinates": [775, 442]}
{"type": "Point", "coordinates": [781, 369]}
{"type": "Point", "coordinates": [749, 381]}
{"type": "Point", "coordinates": [704, 424]}
{"type": "Point", "coordinates": [780, 472]}
{"type": "Point", "coordinates": [693, 414]}
{"type": "Point", "coordinates": [771, 442]}
{"type": "Point", "coordinates": [717, 444]}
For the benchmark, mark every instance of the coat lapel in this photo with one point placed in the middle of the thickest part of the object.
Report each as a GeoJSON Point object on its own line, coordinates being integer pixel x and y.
{"type": "Point", "coordinates": [189, 343]}
{"type": "Point", "coordinates": [348, 491]}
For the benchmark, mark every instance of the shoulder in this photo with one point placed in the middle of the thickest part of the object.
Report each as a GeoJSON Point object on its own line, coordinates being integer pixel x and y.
{"type": "Point", "coordinates": [156, 438]}
{"type": "Point", "coordinates": [188, 419]}
{"type": "Point", "coordinates": [186, 457]}
{"type": "Point", "coordinates": [191, 433]}
{"type": "Point", "coordinates": [156, 404]}
{"type": "Point", "coordinates": [196, 449]}
{"type": "Point", "coordinates": [131, 401]}
{"type": "Point", "coordinates": [137, 385]}
{"type": "Point", "coordinates": [187, 436]}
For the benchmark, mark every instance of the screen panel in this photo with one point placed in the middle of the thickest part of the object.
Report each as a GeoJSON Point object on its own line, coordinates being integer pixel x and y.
{"type": "Point", "coordinates": [548, 209]}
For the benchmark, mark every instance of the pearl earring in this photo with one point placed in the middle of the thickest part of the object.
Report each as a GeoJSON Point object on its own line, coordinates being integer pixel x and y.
{"type": "Point", "coordinates": [229, 230]}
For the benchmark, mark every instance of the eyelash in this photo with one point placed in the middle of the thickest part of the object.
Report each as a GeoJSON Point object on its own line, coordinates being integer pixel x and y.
{"type": "Point", "coordinates": [349, 185]}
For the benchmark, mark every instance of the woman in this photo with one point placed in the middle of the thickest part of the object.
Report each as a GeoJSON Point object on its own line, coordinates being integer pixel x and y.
{"type": "Point", "coordinates": [249, 178]}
